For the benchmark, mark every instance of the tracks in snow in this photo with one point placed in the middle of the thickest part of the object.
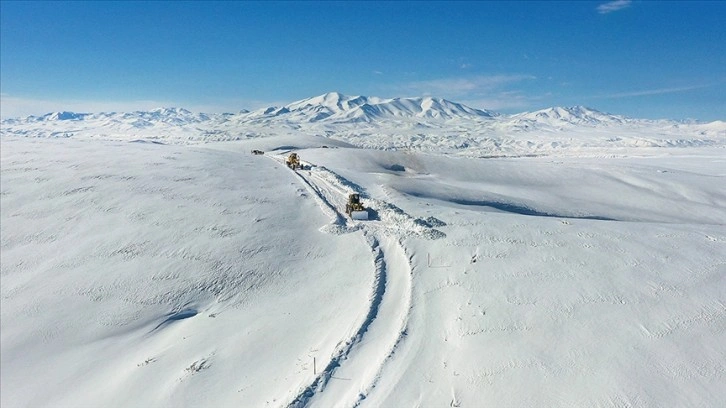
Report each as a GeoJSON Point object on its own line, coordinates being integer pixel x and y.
{"type": "Point", "coordinates": [356, 365]}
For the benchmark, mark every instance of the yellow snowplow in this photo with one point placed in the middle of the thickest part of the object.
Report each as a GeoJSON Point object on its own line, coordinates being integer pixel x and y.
{"type": "Point", "coordinates": [355, 209]}
{"type": "Point", "coordinates": [293, 161]}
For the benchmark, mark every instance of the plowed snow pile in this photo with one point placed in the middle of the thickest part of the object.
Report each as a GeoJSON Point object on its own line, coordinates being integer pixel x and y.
{"type": "Point", "coordinates": [144, 274]}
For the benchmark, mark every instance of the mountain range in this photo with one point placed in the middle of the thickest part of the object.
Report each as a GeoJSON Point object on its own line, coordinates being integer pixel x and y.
{"type": "Point", "coordinates": [373, 122]}
{"type": "Point", "coordinates": [336, 108]}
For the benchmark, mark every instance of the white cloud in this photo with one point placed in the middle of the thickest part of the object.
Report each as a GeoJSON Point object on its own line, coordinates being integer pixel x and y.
{"type": "Point", "coordinates": [465, 85]}
{"type": "Point", "coordinates": [659, 91]}
{"type": "Point", "coordinates": [485, 91]}
{"type": "Point", "coordinates": [505, 101]}
{"type": "Point", "coordinates": [499, 102]}
{"type": "Point", "coordinates": [611, 6]}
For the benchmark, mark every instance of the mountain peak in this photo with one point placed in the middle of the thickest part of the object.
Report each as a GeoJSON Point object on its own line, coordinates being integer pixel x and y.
{"type": "Point", "coordinates": [573, 115]}
{"type": "Point", "coordinates": [334, 101]}
{"type": "Point", "coordinates": [336, 107]}
{"type": "Point", "coordinates": [64, 115]}
{"type": "Point", "coordinates": [171, 111]}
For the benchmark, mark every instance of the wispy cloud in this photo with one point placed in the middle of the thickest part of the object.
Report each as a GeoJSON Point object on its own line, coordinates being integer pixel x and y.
{"type": "Point", "coordinates": [501, 101]}
{"type": "Point", "coordinates": [483, 91]}
{"type": "Point", "coordinates": [464, 85]}
{"type": "Point", "coordinates": [647, 92]}
{"type": "Point", "coordinates": [611, 6]}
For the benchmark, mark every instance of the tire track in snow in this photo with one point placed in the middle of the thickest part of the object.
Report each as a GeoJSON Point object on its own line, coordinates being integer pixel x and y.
{"type": "Point", "coordinates": [405, 270]}
{"type": "Point", "coordinates": [384, 325]}
{"type": "Point", "coordinates": [402, 332]}
{"type": "Point", "coordinates": [378, 290]}
{"type": "Point", "coordinates": [352, 381]}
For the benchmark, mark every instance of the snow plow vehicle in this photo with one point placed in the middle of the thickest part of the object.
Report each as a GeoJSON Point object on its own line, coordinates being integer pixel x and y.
{"type": "Point", "coordinates": [293, 161]}
{"type": "Point", "coordinates": [354, 208]}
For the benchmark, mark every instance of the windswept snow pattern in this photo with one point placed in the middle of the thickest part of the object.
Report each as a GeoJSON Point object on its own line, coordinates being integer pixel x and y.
{"type": "Point", "coordinates": [559, 258]}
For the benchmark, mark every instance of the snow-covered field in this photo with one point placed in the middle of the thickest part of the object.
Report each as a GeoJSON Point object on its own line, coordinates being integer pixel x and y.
{"type": "Point", "coordinates": [136, 273]}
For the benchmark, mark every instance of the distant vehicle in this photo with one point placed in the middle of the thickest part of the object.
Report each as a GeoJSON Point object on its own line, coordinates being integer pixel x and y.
{"type": "Point", "coordinates": [258, 152]}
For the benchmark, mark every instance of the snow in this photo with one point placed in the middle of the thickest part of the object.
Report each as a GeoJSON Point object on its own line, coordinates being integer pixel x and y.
{"type": "Point", "coordinates": [576, 264]}
{"type": "Point", "coordinates": [423, 124]}
{"type": "Point", "coordinates": [104, 243]}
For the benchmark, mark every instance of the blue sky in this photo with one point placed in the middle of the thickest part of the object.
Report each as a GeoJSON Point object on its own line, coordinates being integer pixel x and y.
{"type": "Point", "coordinates": [641, 59]}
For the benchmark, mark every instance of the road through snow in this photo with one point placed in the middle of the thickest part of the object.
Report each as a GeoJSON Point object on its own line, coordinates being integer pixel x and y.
{"type": "Point", "coordinates": [356, 376]}
{"type": "Point", "coordinates": [353, 371]}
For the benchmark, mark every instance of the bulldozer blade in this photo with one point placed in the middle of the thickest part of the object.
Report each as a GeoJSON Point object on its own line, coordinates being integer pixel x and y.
{"type": "Point", "coordinates": [359, 215]}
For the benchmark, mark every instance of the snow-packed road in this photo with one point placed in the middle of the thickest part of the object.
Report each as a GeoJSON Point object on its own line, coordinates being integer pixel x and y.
{"type": "Point", "coordinates": [355, 367]}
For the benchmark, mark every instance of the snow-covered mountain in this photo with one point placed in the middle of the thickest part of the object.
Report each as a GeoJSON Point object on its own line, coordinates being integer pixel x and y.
{"type": "Point", "coordinates": [409, 123]}
{"type": "Point", "coordinates": [53, 116]}
{"type": "Point", "coordinates": [577, 115]}
{"type": "Point", "coordinates": [327, 108]}
{"type": "Point", "coordinates": [339, 109]}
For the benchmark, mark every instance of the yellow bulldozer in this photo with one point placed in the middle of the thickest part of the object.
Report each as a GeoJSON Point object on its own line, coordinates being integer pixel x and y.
{"type": "Point", "coordinates": [293, 161]}
{"type": "Point", "coordinates": [354, 208]}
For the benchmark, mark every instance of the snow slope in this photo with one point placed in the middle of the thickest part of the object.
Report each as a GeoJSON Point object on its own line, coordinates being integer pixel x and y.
{"type": "Point", "coordinates": [549, 291]}
{"type": "Point", "coordinates": [154, 275]}
{"type": "Point", "coordinates": [143, 267]}
{"type": "Point", "coordinates": [586, 268]}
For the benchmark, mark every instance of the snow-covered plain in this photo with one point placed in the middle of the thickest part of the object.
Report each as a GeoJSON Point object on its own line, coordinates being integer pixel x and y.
{"type": "Point", "coordinates": [587, 267]}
